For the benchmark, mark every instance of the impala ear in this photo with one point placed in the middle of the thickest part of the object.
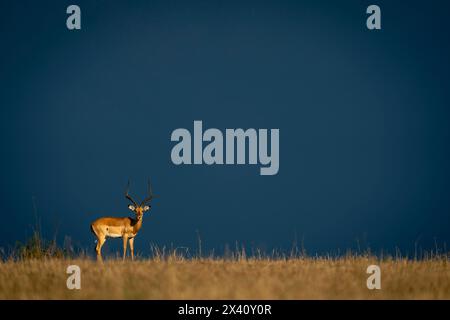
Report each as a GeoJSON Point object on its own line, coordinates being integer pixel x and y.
{"type": "Point", "coordinates": [146, 208]}
{"type": "Point", "coordinates": [131, 207]}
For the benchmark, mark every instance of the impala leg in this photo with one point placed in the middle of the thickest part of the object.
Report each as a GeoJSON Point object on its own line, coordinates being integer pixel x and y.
{"type": "Point", "coordinates": [125, 243]}
{"type": "Point", "coordinates": [98, 248]}
{"type": "Point", "coordinates": [132, 248]}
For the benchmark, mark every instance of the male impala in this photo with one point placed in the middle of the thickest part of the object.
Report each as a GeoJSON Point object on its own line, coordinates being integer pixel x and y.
{"type": "Point", "coordinates": [125, 228]}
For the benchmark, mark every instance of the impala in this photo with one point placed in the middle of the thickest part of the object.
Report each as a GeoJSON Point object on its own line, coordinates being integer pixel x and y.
{"type": "Point", "coordinates": [125, 228]}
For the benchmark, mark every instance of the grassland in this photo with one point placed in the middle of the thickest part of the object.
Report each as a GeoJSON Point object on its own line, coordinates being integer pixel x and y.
{"type": "Point", "coordinates": [177, 278]}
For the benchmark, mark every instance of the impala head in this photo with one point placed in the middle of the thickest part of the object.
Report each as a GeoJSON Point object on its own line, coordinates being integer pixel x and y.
{"type": "Point", "coordinates": [139, 209]}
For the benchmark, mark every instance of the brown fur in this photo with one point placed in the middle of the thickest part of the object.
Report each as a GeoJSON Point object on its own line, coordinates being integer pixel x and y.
{"type": "Point", "coordinates": [125, 228]}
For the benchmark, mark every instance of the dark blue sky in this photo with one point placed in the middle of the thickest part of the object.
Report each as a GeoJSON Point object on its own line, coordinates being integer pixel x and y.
{"type": "Point", "coordinates": [363, 118]}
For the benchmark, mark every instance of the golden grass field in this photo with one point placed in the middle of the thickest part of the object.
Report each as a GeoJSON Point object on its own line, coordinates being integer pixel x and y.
{"type": "Point", "coordinates": [175, 278]}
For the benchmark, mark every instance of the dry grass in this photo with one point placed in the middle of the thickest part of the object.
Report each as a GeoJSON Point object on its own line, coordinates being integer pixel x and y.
{"type": "Point", "coordinates": [177, 278]}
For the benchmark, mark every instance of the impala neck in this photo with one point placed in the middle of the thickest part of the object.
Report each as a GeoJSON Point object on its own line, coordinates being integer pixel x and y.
{"type": "Point", "coordinates": [137, 225]}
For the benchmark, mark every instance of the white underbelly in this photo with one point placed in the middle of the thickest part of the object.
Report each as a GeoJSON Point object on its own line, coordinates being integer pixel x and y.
{"type": "Point", "coordinates": [114, 235]}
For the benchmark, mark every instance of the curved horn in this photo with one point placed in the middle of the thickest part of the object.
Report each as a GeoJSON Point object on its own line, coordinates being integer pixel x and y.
{"type": "Point", "coordinates": [150, 194]}
{"type": "Point", "coordinates": [128, 196]}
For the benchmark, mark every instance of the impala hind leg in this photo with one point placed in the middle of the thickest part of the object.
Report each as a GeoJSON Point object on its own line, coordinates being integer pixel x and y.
{"type": "Point", "coordinates": [98, 248]}
{"type": "Point", "coordinates": [132, 248]}
{"type": "Point", "coordinates": [100, 241]}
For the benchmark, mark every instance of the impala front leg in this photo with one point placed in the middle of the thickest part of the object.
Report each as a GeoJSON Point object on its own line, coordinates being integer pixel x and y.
{"type": "Point", "coordinates": [125, 242]}
{"type": "Point", "coordinates": [132, 248]}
